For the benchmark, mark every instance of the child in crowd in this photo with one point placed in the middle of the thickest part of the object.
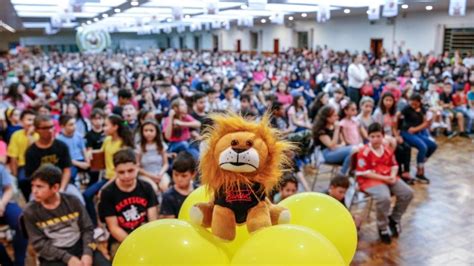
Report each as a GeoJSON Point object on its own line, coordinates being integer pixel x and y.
{"type": "Point", "coordinates": [298, 115]}
{"type": "Point", "coordinates": [82, 124]}
{"type": "Point", "coordinates": [75, 144]}
{"type": "Point", "coordinates": [446, 101]}
{"type": "Point", "coordinates": [127, 202]}
{"type": "Point", "coordinates": [321, 100]}
{"type": "Point", "coordinates": [10, 214]}
{"type": "Point", "coordinates": [339, 99]}
{"type": "Point", "coordinates": [460, 106]}
{"type": "Point", "coordinates": [288, 187]}
{"type": "Point", "coordinates": [184, 171]}
{"type": "Point", "coordinates": [338, 188]}
{"type": "Point", "coordinates": [118, 137]}
{"type": "Point", "coordinates": [365, 116]}
{"type": "Point", "coordinates": [152, 156]}
{"type": "Point", "coordinates": [213, 102]}
{"type": "Point", "coordinates": [57, 224]}
{"type": "Point", "coordinates": [413, 131]}
{"type": "Point", "coordinates": [351, 130]}
{"type": "Point", "coordinates": [13, 123]}
{"type": "Point", "coordinates": [283, 94]}
{"type": "Point", "coordinates": [94, 140]}
{"type": "Point", "coordinates": [229, 102]}
{"type": "Point", "coordinates": [376, 174]}
{"type": "Point", "coordinates": [177, 127]}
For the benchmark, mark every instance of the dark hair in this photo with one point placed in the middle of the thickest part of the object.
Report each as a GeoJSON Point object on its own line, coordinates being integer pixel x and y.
{"type": "Point", "coordinates": [288, 179]}
{"type": "Point", "coordinates": [63, 119]}
{"type": "Point", "coordinates": [227, 89]}
{"type": "Point", "coordinates": [375, 127]}
{"type": "Point", "coordinates": [124, 94]}
{"type": "Point", "coordinates": [41, 118]}
{"type": "Point", "coordinates": [295, 101]}
{"type": "Point", "coordinates": [97, 112]}
{"type": "Point", "coordinates": [340, 181]}
{"type": "Point", "coordinates": [184, 162]}
{"type": "Point", "coordinates": [342, 113]}
{"type": "Point", "coordinates": [158, 140]}
{"type": "Point", "coordinates": [198, 95]}
{"type": "Point", "coordinates": [245, 97]}
{"type": "Point", "coordinates": [76, 93]}
{"type": "Point", "coordinates": [126, 155]}
{"type": "Point", "coordinates": [321, 120]}
{"type": "Point", "coordinates": [392, 109]}
{"type": "Point", "coordinates": [99, 104]}
{"type": "Point", "coordinates": [210, 91]}
{"type": "Point", "coordinates": [26, 112]}
{"type": "Point", "coordinates": [49, 174]}
{"type": "Point", "coordinates": [123, 131]}
{"type": "Point", "coordinates": [13, 93]}
{"type": "Point", "coordinates": [415, 97]}
{"type": "Point", "coordinates": [316, 104]}
{"type": "Point", "coordinates": [276, 106]}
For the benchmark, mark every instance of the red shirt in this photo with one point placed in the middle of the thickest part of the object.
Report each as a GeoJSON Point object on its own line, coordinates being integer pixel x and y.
{"type": "Point", "coordinates": [397, 93]}
{"type": "Point", "coordinates": [459, 99]}
{"type": "Point", "coordinates": [368, 161]}
{"type": "Point", "coordinates": [179, 134]}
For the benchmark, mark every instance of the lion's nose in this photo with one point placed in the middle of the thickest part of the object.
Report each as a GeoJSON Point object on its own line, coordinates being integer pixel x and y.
{"type": "Point", "coordinates": [238, 150]}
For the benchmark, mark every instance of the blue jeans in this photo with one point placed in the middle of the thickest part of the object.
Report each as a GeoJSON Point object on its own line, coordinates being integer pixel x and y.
{"type": "Point", "coordinates": [341, 155]}
{"type": "Point", "coordinates": [468, 115]}
{"type": "Point", "coordinates": [354, 94]}
{"type": "Point", "coordinates": [177, 147]}
{"type": "Point", "coordinates": [11, 216]}
{"type": "Point", "coordinates": [420, 141]}
{"type": "Point", "coordinates": [89, 198]}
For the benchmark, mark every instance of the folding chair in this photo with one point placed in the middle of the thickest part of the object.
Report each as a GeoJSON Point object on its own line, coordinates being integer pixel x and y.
{"type": "Point", "coordinates": [319, 162]}
{"type": "Point", "coordinates": [358, 196]}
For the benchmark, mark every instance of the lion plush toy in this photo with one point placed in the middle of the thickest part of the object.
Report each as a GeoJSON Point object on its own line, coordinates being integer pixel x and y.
{"type": "Point", "coordinates": [241, 163]}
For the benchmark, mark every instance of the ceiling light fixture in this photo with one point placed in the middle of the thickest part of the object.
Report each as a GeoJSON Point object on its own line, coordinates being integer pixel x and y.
{"type": "Point", "coordinates": [105, 15]}
{"type": "Point", "coordinates": [290, 18]}
{"type": "Point", "coordinates": [134, 3]}
{"type": "Point", "coordinates": [89, 22]}
{"type": "Point", "coordinates": [169, 20]}
{"type": "Point", "coordinates": [244, 6]}
{"type": "Point", "coordinates": [404, 6]}
{"type": "Point", "coordinates": [263, 20]}
{"type": "Point", "coordinates": [80, 28]}
{"type": "Point", "coordinates": [187, 17]}
{"type": "Point", "coordinates": [117, 10]}
{"type": "Point", "coordinates": [429, 8]}
{"type": "Point", "coordinates": [96, 19]}
{"type": "Point", "coordinates": [304, 15]}
{"type": "Point", "coordinates": [347, 11]}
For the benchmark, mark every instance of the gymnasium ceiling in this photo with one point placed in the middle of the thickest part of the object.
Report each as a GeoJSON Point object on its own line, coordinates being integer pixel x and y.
{"type": "Point", "coordinates": [133, 15]}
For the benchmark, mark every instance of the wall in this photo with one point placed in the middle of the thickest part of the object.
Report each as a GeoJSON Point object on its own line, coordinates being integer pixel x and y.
{"type": "Point", "coordinates": [420, 31]}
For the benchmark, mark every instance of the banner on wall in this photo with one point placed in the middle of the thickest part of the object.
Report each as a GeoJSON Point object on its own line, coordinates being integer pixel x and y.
{"type": "Point", "coordinates": [324, 13]}
{"type": "Point", "coordinates": [177, 12]}
{"type": "Point", "coordinates": [257, 4]}
{"type": "Point", "coordinates": [457, 7]}
{"type": "Point", "coordinates": [211, 7]}
{"type": "Point", "coordinates": [390, 9]}
{"type": "Point", "coordinates": [374, 12]}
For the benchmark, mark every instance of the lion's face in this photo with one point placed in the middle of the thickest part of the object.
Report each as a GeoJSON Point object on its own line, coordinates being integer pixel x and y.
{"type": "Point", "coordinates": [241, 152]}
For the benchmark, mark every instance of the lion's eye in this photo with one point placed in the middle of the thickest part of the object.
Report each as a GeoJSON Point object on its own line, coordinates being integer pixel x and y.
{"type": "Point", "coordinates": [234, 142]}
{"type": "Point", "coordinates": [249, 143]}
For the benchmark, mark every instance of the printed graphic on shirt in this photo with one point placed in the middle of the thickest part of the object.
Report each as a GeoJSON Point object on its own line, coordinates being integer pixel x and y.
{"type": "Point", "coordinates": [63, 231]}
{"type": "Point", "coordinates": [52, 159]}
{"type": "Point", "coordinates": [131, 217]}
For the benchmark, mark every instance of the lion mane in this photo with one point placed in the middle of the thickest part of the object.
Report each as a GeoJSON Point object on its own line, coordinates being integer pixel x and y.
{"type": "Point", "coordinates": [269, 171]}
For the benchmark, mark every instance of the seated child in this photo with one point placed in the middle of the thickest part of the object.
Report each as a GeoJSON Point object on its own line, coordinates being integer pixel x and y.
{"type": "Point", "coordinates": [338, 188]}
{"type": "Point", "coordinates": [127, 202]}
{"type": "Point", "coordinates": [288, 187]}
{"type": "Point", "coordinates": [376, 173]}
{"type": "Point", "coordinates": [184, 171]}
{"type": "Point", "coordinates": [57, 224]}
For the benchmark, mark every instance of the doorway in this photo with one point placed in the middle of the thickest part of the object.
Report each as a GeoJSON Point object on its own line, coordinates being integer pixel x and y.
{"type": "Point", "coordinates": [215, 43]}
{"type": "Point", "coordinates": [376, 46]}
{"type": "Point", "coordinates": [303, 40]}
{"type": "Point", "coordinates": [197, 43]}
{"type": "Point", "coordinates": [276, 46]}
{"type": "Point", "coordinates": [239, 48]}
{"type": "Point", "coordinates": [254, 41]}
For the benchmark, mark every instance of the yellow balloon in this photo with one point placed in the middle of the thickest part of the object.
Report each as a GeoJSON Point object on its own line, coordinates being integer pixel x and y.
{"type": "Point", "coordinates": [287, 245]}
{"type": "Point", "coordinates": [198, 195]}
{"type": "Point", "coordinates": [327, 216]}
{"type": "Point", "coordinates": [168, 242]}
{"type": "Point", "coordinates": [201, 195]}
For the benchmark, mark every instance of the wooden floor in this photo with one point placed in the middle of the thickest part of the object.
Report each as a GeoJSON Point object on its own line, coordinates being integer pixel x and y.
{"type": "Point", "coordinates": [438, 228]}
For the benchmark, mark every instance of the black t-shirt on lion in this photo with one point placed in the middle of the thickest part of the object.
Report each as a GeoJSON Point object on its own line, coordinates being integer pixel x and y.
{"type": "Point", "coordinates": [57, 154]}
{"type": "Point", "coordinates": [129, 207]}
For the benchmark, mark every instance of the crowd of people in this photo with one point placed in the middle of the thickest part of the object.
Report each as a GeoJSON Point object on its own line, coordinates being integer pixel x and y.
{"type": "Point", "coordinates": [103, 143]}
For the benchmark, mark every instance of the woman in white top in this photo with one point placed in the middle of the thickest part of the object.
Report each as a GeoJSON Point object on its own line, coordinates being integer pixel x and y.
{"type": "Point", "coordinates": [357, 76]}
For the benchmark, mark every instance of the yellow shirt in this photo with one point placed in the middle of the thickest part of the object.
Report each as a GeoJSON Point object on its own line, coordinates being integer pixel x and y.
{"type": "Point", "coordinates": [110, 147]}
{"type": "Point", "coordinates": [18, 145]}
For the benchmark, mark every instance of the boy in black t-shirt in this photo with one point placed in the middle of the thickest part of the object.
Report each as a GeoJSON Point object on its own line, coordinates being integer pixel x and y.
{"type": "Point", "coordinates": [127, 202]}
{"type": "Point", "coordinates": [58, 226]}
{"type": "Point", "coordinates": [95, 137]}
{"type": "Point", "coordinates": [184, 171]}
